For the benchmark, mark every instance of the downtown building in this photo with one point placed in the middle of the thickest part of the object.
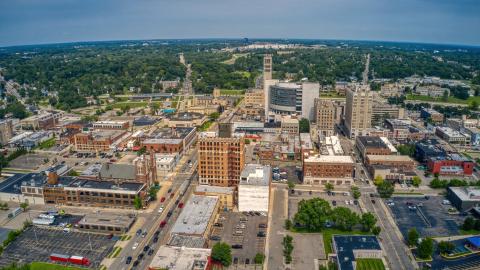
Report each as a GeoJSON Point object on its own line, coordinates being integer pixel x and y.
{"type": "Point", "coordinates": [220, 160]}
{"type": "Point", "coordinates": [358, 111]}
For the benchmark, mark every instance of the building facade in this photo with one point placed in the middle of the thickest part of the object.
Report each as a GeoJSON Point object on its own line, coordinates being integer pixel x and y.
{"type": "Point", "coordinates": [325, 117]}
{"type": "Point", "coordinates": [220, 160]}
{"type": "Point", "coordinates": [322, 169]}
{"type": "Point", "coordinates": [358, 111]}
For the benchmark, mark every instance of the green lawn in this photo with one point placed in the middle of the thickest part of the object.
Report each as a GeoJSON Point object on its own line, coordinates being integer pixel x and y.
{"type": "Point", "coordinates": [232, 92]}
{"type": "Point", "coordinates": [47, 144]}
{"type": "Point", "coordinates": [133, 104]}
{"type": "Point", "coordinates": [370, 264]}
{"type": "Point", "coordinates": [331, 95]}
{"type": "Point", "coordinates": [449, 100]}
{"type": "Point", "coordinates": [205, 126]}
{"type": "Point", "coordinates": [51, 266]}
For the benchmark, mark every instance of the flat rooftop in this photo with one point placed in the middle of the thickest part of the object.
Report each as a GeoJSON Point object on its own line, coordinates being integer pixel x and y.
{"type": "Point", "coordinates": [180, 258]}
{"type": "Point", "coordinates": [168, 135]}
{"type": "Point", "coordinates": [467, 193]}
{"type": "Point", "coordinates": [255, 174]}
{"type": "Point", "coordinates": [330, 159]}
{"type": "Point", "coordinates": [372, 141]}
{"type": "Point", "coordinates": [12, 184]}
{"type": "Point", "coordinates": [196, 214]}
{"type": "Point", "coordinates": [179, 240]}
{"type": "Point", "coordinates": [345, 245]}
{"type": "Point", "coordinates": [392, 158]}
{"type": "Point", "coordinates": [92, 170]}
{"type": "Point", "coordinates": [107, 219]}
{"type": "Point", "coordinates": [106, 134]}
{"type": "Point", "coordinates": [118, 171]}
{"type": "Point", "coordinates": [214, 189]}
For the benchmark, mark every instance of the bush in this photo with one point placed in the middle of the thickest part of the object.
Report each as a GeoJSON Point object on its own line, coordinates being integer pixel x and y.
{"type": "Point", "coordinates": [259, 258]}
{"type": "Point", "coordinates": [468, 224]}
{"type": "Point", "coordinates": [287, 248]}
{"type": "Point", "coordinates": [425, 248]}
{"type": "Point", "coordinates": [445, 247]}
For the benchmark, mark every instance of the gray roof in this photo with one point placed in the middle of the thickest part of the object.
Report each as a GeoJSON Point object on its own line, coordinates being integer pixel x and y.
{"type": "Point", "coordinates": [118, 171]}
{"type": "Point", "coordinates": [194, 218]}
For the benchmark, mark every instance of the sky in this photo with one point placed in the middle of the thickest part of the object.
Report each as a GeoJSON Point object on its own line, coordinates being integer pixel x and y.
{"type": "Point", "coordinates": [24, 22]}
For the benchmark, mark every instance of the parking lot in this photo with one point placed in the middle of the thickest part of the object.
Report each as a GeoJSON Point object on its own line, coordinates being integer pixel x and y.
{"type": "Point", "coordinates": [29, 161]}
{"type": "Point", "coordinates": [36, 244]}
{"type": "Point", "coordinates": [336, 198]}
{"type": "Point", "coordinates": [430, 217]}
{"type": "Point", "coordinates": [243, 232]}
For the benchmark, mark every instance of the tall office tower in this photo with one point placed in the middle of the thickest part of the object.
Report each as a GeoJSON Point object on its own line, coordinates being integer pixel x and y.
{"type": "Point", "coordinates": [220, 161]}
{"type": "Point", "coordinates": [286, 98]}
{"type": "Point", "coordinates": [358, 111]}
{"type": "Point", "coordinates": [267, 81]}
{"type": "Point", "coordinates": [267, 67]}
{"type": "Point", "coordinates": [325, 116]}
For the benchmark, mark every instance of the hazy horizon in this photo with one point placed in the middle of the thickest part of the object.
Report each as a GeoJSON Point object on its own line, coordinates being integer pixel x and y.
{"type": "Point", "coordinates": [37, 22]}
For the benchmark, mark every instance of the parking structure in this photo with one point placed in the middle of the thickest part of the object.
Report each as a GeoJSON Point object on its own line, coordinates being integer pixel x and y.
{"type": "Point", "coordinates": [427, 214]}
{"type": "Point", "coordinates": [36, 244]}
{"type": "Point", "coordinates": [243, 232]}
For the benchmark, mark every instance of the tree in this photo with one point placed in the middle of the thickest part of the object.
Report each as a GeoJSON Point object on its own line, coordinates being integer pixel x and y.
{"type": "Point", "coordinates": [329, 187]}
{"type": "Point", "coordinates": [468, 224]}
{"type": "Point", "coordinates": [154, 107]}
{"type": "Point", "coordinates": [385, 189]}
{"type": "Point", "coordinates": [368, 221]}
{"type": "Point", "coordinates": [355, 192]}
{"type": "Point", "coordinates": [378, 180]}
{"type": "Point", "coordinates": [304, 125]}
{"type": "Point", "coordinates": [137, 202]}
{"type": "Point", "coordinates": [259, 258]}
{"type": "Point", "coordinates": [376, 230]}
{"type": "Point", "coordinates": [425, 248]}
{"type": "Point", "coordinates": [416, 181]}
{"type": "Point", "coordinates": [312, 214]}
{"type": "Point", "coordinates": [291, 185]}
{"type": "Point", "coordinates": [73, 173]}
{"type": "Point", "coordinates": [477, 225]}
{"type": "Point", "coordinates": [344, 218]}
{"type": "Point", "coordinates": [412, 237]}
{"type": "Point", "coordinates": [446, 93]}
{"type": "Point", "coordinates": [288, 224]}
{"type": "Point", "coordinates": [222, 253]}
{"type": "Point", "coordinates": [474, 105]}
{"type": "Point", "coordinates": [247, 141]}
{"type": "Point", "coordinates": [24, 206]}
{"type": "Point", "coordinates": [214, 116]}
{"type": "Point", "coordinates": [445, 247]}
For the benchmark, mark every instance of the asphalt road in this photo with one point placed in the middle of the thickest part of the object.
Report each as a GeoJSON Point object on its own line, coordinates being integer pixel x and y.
{"type": "Point", "coordinates": [276, 232]}
{"type": "Point", "coordinates": [151, 221]}
{"type": "Point", "coordinates": [396, 251]}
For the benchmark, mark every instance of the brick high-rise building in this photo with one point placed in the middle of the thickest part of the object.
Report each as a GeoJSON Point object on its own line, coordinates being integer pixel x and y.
{"type": "Point", "coordinates": [220, 161]}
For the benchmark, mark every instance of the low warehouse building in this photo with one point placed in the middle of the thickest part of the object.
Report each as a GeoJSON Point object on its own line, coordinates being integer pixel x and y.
{"type": "Point", "coordinates": [254, 188]}
{"type": "Point", "coordinates": [464, 198]}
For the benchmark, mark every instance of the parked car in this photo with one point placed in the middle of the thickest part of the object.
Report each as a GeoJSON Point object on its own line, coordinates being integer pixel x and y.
{"type": "Point", "coordinates": [215, 238]}
{"type": "Point", "coordinates": [135, 245]}
{"type": "Point", "coordinates": [373, 201]}
{"type": "Point", "coordinates": [262, 225]}
{"type": "Point", "coordinates": [217, 224]}
{"type": "Point", "coordinates": [135, 263]}
{"type": "Point", "coordinates": [163, 223]}
{"type": "Point", "coordinates": [150, 252]}
{"type": "Point", "coordinates": [160, 210]}
{"type": "Point", "coordinates": [180, 205]}
{"type": "Point", "coordinates": [155, 239]}
{"type": "Point", "coordinates": [146, 248]}
{"type": "Point", "coordinates": [162, 199]}
{"type": "Point", "coordinates": [140, 256]}
{"type": "Point", "coordinates": [237, 246]}
{"type": "Point", "coordinates": [139, 232]}
{"type": "Point", "coordinates": [128, 260]}
{"type": "Point", "coordinates": [261, 234]}
{"type": "Point", "coordinates": [169, 214]}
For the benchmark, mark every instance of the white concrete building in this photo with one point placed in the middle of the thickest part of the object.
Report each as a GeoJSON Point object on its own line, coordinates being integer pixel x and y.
{"type": "Point", "coordinates": [165, 163]}
{"type": "Point", "coordinates": [254, 188]}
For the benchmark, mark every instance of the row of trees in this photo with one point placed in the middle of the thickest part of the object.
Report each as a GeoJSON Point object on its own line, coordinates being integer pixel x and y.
{"type": "Point", "coordinates": [314, 215]}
